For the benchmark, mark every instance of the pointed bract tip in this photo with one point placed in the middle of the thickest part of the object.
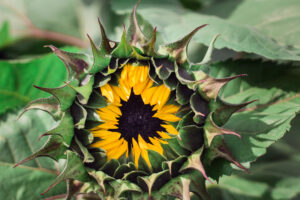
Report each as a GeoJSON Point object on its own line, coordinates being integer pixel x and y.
{"type": "Point", "coordinates": [202, 26]}
{"type": "Point", "coordinates": [191, 34]}
{"type": "Point", "coordinates": [136, 5]}
{"type": "Point", "coordinates": [100, 23]}
{"type": "Point", "coordinates": [37, 87]}
{"type": "Point", "coordinates": [245, 104]}
{"type": "Point", "coordinates": [239, 165]}
{"type": "Point", "coordinates": [17, 164]}
{"type": "Point", "coordinates": [224, 131]}
{"type": "Point", "coordinates": [48, 90]}
{"type": "Point", "coordinates": [91, 42]}
{"type": "Point", "coordinates": [23, 161]}
{"type": "Point", "coordinates": [22, 113]}
{"type": "Point", "coordinates": [208, 179]}
{"type": "Point", "coordinates": [101, 28]}
{"type": "Point", "coordinates": [89, 37]}
{"type": "Point", "coordinates": [241, 75]}
{"type": "Point", "coordinates": [225, 153]}
{"type": "Point", "coordinates": [53, 48]}
{"type": "Point", "coordinates": [45, 134]}
{"type": "Point", "coordinates": [178, 50]}
{"type": "Point", "coordinates": [47, 190]}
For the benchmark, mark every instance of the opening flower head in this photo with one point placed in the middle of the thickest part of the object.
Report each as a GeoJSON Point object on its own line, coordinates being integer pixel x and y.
{"type": "Point", "coordinates": [137, 118]}
{"type": "Point", "coordinates": [137, 121]}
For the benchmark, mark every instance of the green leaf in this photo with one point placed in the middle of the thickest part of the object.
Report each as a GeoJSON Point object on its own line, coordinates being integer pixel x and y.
{"type": "Point", "coordinates": [4, 34]}
{"type": "Point", "coordinates": [178, 21]}
{"type": "Point", "coordinates": [74, 169]}
{"type": "Point", "coordinates": [287, 188]}
{"type": "Point", "coordinates": [18, 139]}
{"type": "Point", "coordinates": [265, 121]}
{"type": "Point", "coordinates": [237, 188]}
{"type": "Point", "coordinates": [274, 18]}
{"type": "Point", "coordinates": [17, 78]}
{"type": "Point", "coordinates": [274, 176]}
{"type": "Point", "coordinates": [71, 18]}
{"type": "Point", "coordinates": [42, 15]}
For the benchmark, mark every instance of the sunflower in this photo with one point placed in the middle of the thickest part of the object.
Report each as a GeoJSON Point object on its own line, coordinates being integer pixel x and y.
{"type": "Point", "coordinates": [137, 118]}
{"type": "Point", "coordinates": [137, 122]}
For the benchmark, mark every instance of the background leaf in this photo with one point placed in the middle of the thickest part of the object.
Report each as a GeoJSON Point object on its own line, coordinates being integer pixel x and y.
{"type": "Point", "coordinates": [238, 37]}
{"type": "Point", "coordinates": [18, 140]}
{"type": "Point", "coordinates": [274, 18]}
{"type": "Point", "coordinates": [17, 79]}
{"type": "Point", "coordinates": [274, 176]}
{"type": "Point", "coordinates": [264, 122]}
{"type": "Point", "coordinates": [4, 34]}
{"type": "Point", "coordinates": [65, 19]}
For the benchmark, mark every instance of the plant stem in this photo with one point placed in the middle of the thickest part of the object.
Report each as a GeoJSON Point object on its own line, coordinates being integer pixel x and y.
{"type": "Point", "coordinates": [33, 31]}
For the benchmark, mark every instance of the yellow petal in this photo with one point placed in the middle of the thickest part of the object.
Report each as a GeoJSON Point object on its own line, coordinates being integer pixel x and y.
{"type": "Point", "coordinates": [124, 73]}
{"type": "Point", "coordinates": [105, 125]}
{"type": "Point", "coordinates": [155, 107]}
{"type": "Point", "coordinates": [163, 135]}
{"type": "Point", "coordinates": [107, 92]}
{"type": "Point", "coordinates": [114, 109]}
{"type": "Point", "coordinates": [155, 146]}
{"type": "Point", "coordinates": [162, 141]}
{"type": "Point", "coordinates": [170, 129]}
{"type": "Point", "coordinates": [139, 71]}
{"type": "Point", "coordinates": [107, 111]}
{"type": "Point", "coordinates": [140, 87]}
{"type": "Point", "coordinates": [125, 89]}
{"type": "Point", "coordinates": [163, 98]}
{"type": "Point", "coordinates": [107, 140]}
{"type": "Point", "coordinates": [144, 75]}
{"type": "Point", "coordinates": [106, 117]}
{"type": "Point", "coordinates": [169, 109]}
{"type": "Point", "coordinates": [157, 94]}
{"type": "Point", "coordinates": [106, 134]}
{"type": "Point", "coordinates": [147, 94]}
{"type": "Point", "coordinates": [126, 145]}
{"type": "Point", "coordinates": [118, 152]}
{"type": "Point", "coordinates": [136, 152]}
{"type": "Point", "coordinates": [119, 92]}
{"type": "Point", "coordinates": [131, 75]}
{"type": "Point", "coordinates": [116, 98]}
{"type": "Point", "coordinates": [113, 145]}
{"type": "Point", "coordinates": [143, 146]}
{"type": "Point", "coordinates": [167, 117]}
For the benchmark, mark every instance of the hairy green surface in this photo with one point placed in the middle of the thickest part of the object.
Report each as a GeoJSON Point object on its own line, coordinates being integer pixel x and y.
{"type": "Point", "coordinates": [18, 138]}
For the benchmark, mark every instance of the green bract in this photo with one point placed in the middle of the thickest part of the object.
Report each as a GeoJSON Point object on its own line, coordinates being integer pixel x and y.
{"type": "Point", "coordinates": [180, 171]}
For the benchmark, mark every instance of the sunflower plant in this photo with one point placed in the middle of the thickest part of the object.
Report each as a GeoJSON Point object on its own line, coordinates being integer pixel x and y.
{"type": "Point", "coordinates": [139, 120]}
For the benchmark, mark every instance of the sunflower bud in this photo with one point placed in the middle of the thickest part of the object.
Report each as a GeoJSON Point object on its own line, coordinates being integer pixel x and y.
{"type": "Point", "coordinates": [137, 122]}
